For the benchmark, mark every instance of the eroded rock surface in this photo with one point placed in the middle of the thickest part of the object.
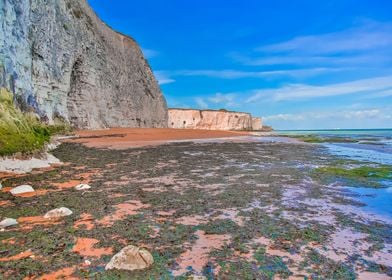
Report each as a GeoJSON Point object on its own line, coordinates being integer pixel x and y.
{"type": "Point", "coordinates": [131, 258]}
{"type": "Point", "coordinates": [63, 62]}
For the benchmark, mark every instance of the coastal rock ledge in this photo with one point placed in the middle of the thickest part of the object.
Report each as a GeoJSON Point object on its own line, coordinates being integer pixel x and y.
{"type": "Point", "coordinates": [62, 62]}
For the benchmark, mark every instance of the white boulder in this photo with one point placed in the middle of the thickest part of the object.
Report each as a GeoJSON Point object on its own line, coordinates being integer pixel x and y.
{"type": "Point", "coordinates": [22, 189]}
{"type": "Point", "coordinates": [131, 258]}
{"type": "Point", "coordinates": [8, 222]}
{"type": "Point", "coordinates": [82, 187]}
{"type": "Point", "coordinates": [58, 213]}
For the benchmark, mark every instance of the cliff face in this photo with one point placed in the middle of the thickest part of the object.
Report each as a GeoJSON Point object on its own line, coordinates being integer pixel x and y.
{"type": "Point", "coordinates": [209, 119]}
{"type": "Point", "coordinates": [61, 61]}
{"type": "Point", "coordinates": [257, 124]}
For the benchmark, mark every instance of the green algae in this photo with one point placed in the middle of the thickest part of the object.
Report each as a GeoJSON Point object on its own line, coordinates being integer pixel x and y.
{"type": "Point", "coordinates": [362, 172]}
{"type": "Point", "coordinates": [327, 268]}
{"type": "Point", "coordinates": [187, 199]}
{"type": "Point", "coordinates": [318, 139]}
{"type": "Point", "coordinates": [22, 132]}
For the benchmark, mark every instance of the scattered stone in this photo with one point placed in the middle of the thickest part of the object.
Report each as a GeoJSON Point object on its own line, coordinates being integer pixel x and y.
{"type": "Point", "coordinates": [8, 222]}
{"type": "Point", "coordinates": [82, 187]}
{"type": "Point", "coordinates": [131, 258]}
{"type": "Point", "coordinates": [1, 186]}
{"type": "Point", "coordinates": [22, 189]}
{"type": "Point", "coordinates": [58, 213]}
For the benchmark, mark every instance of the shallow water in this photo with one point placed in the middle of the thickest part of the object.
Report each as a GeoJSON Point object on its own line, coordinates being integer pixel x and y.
{"type": "Point", "coordinates": [378, 201]}
{"type": "Point", "coordinates": [374, 147]}
{"type": "Point", "coordinates": [368, 153]}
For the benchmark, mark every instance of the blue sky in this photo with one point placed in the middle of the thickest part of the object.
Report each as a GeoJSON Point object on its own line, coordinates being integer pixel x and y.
{"type": "Point", "coordinates": [298, 64]}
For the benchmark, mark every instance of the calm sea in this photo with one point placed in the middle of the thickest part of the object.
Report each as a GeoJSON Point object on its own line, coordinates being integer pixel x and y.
{"type": "Point", "coordinates": [374, 145]}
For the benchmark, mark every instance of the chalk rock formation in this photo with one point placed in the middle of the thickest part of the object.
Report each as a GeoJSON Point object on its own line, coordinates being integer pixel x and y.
{"type": "Point", "coordinates": [22, 189]}
{"type": "Point", "coordinates": [257, 124]}
{"type": "Point", "coordinates": [8, 222]}
{"type": "Point", "coordinates": [131, 258]}
{"type": "Point", "coordinates": [62, 62]}
{"type": "Point", "coordinates": [209, 119]}
{"type": "Point", "coordinates": [58, 213]}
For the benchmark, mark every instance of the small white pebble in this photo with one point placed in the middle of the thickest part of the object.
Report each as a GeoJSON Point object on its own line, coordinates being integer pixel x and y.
{"type": "Point", "coordinates": [82, 187]}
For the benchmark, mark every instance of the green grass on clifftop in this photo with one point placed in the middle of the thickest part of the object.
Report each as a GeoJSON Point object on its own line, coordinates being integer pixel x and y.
{"type": "Point", "coordinates": [22, 132]}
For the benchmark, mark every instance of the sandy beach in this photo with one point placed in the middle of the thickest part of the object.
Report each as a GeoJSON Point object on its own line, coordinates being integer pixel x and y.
{"type": "Point", "coordinates": [123, 138]}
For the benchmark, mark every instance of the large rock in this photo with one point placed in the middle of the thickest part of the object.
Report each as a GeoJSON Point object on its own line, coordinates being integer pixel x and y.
{"type": "Point", "coordinates": [131, 258]}
{"type": "Point", "coordinates": [58, 213]}
{"type": "Point", "coordinates": [63, 62]}
{"type": "Point", "coordinates": [22, 189]}
{"type": "Point", "coordinates": [210, 119]}
{"type": "Point", "coordinates": [8, 222]}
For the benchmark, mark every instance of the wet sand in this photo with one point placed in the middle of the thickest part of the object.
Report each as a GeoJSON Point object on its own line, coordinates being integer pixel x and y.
{"type": "Point", "coordinates": [123, 138]}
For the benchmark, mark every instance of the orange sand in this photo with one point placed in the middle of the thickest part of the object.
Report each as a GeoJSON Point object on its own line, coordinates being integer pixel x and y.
{"type": "Point", "coordinates": [32, 194]}
{"type": "Point", "coordinates": [122, 210]}
{"type": "Point", "coordinates": [86, 220]}
{"type": "Point", "coordinates": [122, 138]}
{"type": "Point", "coordinates": [11, 241]}
{"type": "Point", "coordinates": [85, 178]}
{"type": "Point", "coordinates": [85, 247]}
{"type": "Point", "coordinates": [64, 273]}
{"type": "Point", "coordinates": [17, 257]}
{"type": "Point", "coordinates": [5, 203]}
{"type": "Point", "coordinates": [28, 223]}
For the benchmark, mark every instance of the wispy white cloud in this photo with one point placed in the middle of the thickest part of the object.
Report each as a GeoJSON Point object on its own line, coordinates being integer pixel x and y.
{"type": "Point", "coordinates": [380, 94]}
{"type": "Point", "coordinates": [237, 74]}
{"type": "Point", "coordinates": [344, 118]}
{"type": "Point", "coordinates": [217, 100]}
{"type": "Point", "coordinates": [364, 38]}
{"type": "Point", "coordinates": [368, 44]}
{"type": "Point", "coordinates": [149, 53]}
{"type": "Point", "coordinates": [201, 103]}
{"type": "Point", "coordinates": [225, 99]}
{"type": "Point", "coordinates": [325, 62]}
{"type": "Point", "coordinates": [303, 91]}
{"type": "Point", "coordinates": [372, 113]}
{"type": "Point", "coordinates": [163, 78]}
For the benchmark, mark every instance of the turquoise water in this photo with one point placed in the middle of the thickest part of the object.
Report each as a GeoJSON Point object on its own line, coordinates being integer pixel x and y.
{"type": "Point", "coordinates": [374, 147]}
{"type": "Point", "coordinates": [386, 132]}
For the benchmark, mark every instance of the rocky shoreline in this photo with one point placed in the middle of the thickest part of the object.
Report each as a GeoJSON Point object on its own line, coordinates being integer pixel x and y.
{"type": "Point", "coordinates": [225, 210]}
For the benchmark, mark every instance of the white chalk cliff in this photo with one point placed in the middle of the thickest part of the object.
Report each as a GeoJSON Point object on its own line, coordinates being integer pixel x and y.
{"type": "Point", "coordinates": [62, 62]}
{"type": "Point", "coordinates": [212, 120]}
